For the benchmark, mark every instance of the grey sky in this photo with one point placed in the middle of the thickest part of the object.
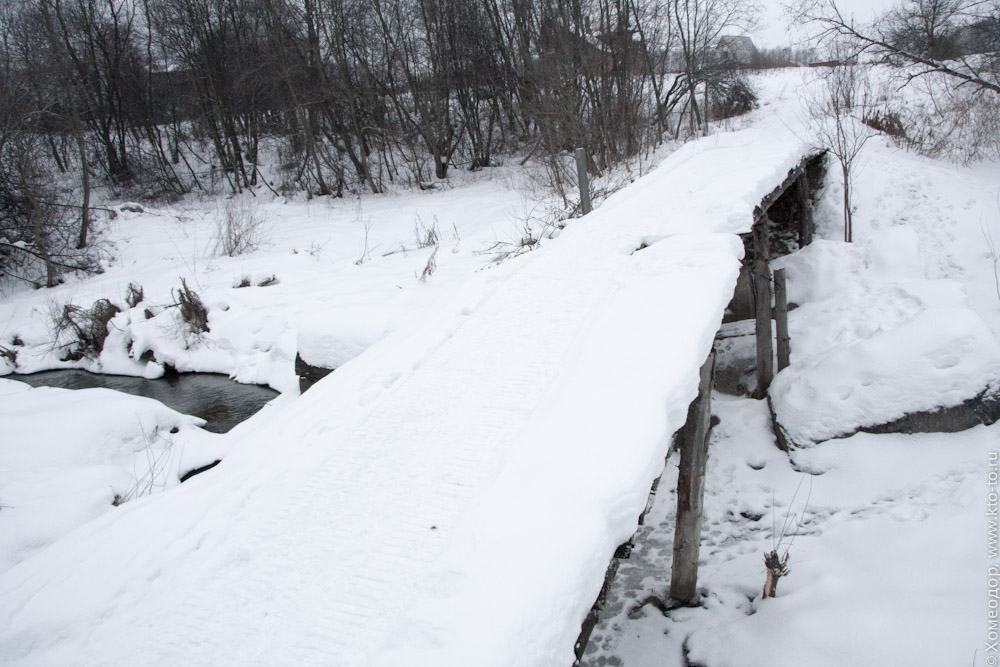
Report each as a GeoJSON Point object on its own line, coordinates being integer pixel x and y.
{"type": "Point", "coordinates": [773, 32]}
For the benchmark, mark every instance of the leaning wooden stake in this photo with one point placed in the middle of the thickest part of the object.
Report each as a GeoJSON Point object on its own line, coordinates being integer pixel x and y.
{"type": "Point", "coordinates": [781, 320]}
{"type": "Point", "coordinates": [691, 490]}
{"type": "Point", "coordinates": [762, 304]}
{"type": "Point", "coordinates": [584, 180]}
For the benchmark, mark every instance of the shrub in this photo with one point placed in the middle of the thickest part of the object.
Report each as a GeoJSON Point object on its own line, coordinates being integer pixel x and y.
{"type": "Point", "coordinates": [886, 122]}
{"type": "Point", "coordinates": [241, 229]}
{"type": "Point", "coordinates": [81, 332]}
{"type": "Point", "coordinates": [133, 295]}
{"type": "Point", "coordinates": [193, 311]}
{"type": "Point", "coordinates": [731, 96]}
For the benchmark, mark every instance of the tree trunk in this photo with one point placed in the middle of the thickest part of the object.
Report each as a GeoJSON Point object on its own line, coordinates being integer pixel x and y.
{"type": "Point", "coordinates": [85, 184]}
{"type": "Point", "coordinates": [848, 218]}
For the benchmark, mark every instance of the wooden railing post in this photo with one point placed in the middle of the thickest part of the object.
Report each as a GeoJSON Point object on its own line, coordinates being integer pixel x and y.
{"type": "Point", "coordinates": [691, 490]}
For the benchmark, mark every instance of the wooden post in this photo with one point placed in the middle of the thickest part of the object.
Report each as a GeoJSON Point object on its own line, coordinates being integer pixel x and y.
{"type": "Point", "coordinates": [805, 209]}
{"type": "Point", "coordinates": [762, 303]}
{"type": "Point", "coordinates": [781, 320]}
{"type": "Point", "coordinates": [583, 180]}
{"type": "Point", "coordinates": [691, 490]}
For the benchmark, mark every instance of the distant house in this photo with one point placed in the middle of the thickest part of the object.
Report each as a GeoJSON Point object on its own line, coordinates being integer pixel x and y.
{"type": "Point", "coordinates": [738, 49]}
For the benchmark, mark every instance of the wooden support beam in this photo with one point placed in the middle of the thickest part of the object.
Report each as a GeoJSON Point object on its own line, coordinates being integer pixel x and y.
{"type": "Point", "coordinates": [691, 490]}
{"type": "Point", "coordinates": [781, 320]}
{"type": "Point", "coordinates": [762, 304]}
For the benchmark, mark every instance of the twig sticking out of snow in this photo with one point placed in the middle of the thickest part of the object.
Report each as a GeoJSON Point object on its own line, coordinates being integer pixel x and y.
{"type": "Point", "coordinates": [776, 561]}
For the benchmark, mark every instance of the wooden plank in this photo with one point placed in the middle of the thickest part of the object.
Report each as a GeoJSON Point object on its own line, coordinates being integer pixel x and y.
{"type": "Point", "coordinates": [781, 320]}
{"type": "Point", "coordinates": [691, 490]}
{"type": "Point", "coordinates": [762, 293]}
{"type": "Point", "coordinates": [793, 175]}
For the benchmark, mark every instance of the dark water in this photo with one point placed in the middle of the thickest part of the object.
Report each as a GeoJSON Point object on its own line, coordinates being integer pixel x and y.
{"type": "Point", "coordinates": [213, 397]}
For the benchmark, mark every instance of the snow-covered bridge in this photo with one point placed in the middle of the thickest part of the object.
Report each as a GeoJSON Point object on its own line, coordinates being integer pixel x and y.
{"type": "Point", "coordinates": [454, 495]}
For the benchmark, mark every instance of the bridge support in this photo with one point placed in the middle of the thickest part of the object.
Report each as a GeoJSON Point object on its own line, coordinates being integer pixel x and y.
{"type": "Point", "coordinates": [762, 306]}
{"type": "Point", "coordinates": [691, 490]}
{"type": "Point", "coordinates": [781, 320]}
{"type": "Point", "coordinates": [804, 207]}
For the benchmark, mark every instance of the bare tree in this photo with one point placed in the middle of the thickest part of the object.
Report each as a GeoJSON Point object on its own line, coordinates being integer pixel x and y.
{"type": "Point", "coordinates": [927, 27]}
{"type": "Point", "coordinates": [837, 111]}
{"type": "Point", "coordinates": [916, 33]}
{"type": "Point", "coordinates": [698, 24]}
{"type": "Point", "coordinates": [349, 94]}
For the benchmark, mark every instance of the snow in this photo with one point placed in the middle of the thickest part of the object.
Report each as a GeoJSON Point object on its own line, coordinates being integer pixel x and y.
{"type": "Point", "coordinates": [941, 358]}
{"type": "Point", "coordinates": [67, 454]}
{"type": "Point", "coordinates": [330, 341]}
{"type": "Point", "coordinates": [887, 564]}
{"type": "Point", "coordinates": [454, 492]}
{"type": "Point", "coordinates": [886, 534]}
{"type": "Point", "coordinates": [906, 319]}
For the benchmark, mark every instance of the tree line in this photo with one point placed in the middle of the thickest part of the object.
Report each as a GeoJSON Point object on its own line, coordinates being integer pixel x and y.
{"type": "Point", "coordinates": [156, 98]}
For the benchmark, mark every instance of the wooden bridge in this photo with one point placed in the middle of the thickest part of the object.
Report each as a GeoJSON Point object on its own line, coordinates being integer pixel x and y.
{"type": "Point", "coordinates": [454, 495]}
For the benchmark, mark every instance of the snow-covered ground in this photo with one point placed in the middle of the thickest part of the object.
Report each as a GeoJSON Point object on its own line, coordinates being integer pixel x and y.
{"type": "Point", "coordinates": [453, 493]}
{"type": "Point", "coordinates": [887, 535]}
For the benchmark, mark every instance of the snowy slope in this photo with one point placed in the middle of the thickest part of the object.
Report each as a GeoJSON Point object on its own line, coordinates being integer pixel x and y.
{"type": "Point", "coordinates": [453, 495]}
{"type": "Point", "coordinates": [904, 320]}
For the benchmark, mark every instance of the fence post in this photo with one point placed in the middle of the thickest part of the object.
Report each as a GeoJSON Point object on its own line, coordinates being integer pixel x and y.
{"type": "Point", "coordinates": [691, 490]}
{"type": "Point", "coordinates": [583, 179]}
{"type": "Point", "coordinates": [762, 305]}
{"type": "Point", "coordinates": [781, 320]}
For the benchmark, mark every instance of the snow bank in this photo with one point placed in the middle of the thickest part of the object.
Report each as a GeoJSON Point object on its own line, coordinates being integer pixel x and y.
{"type": "Point", "coordinates": [940, 359]}
{"type": "Point", "coordinates": [330, 340]}
{"type": "Point", "coordinates": [65, 455]}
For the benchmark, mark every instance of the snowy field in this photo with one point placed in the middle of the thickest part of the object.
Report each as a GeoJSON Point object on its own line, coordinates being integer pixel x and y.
{"type": "Point", "coordinates": [454, 492]}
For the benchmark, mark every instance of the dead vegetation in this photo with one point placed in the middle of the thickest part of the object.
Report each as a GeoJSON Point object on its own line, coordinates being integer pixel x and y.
{"type": "Point", "coordinates": [241, 229]}
{"type": "Point", "coordinates": [81, 332]}
{"type": "Point", "coordinates": [9, 354]}
{"type": "Point", "coordinates": [192, 310]}
{"type": "Point", "coordinates": [134, 295]}
{"type": "Point", "coordinates": [431, 266]}
{"type": "Point", "coordinates": [154, 474]}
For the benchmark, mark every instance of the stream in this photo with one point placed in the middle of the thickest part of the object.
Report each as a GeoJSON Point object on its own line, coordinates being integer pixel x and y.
{"type": "Point", "coordinates": [215, 398]}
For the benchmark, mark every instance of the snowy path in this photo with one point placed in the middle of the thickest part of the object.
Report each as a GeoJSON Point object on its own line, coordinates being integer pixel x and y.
{"type": "Point", "coordinates": [401, 512]}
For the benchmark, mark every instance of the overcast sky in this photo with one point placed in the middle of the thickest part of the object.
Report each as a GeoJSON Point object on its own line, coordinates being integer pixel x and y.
{"type": "Point", "coordinates": [773, 32]}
